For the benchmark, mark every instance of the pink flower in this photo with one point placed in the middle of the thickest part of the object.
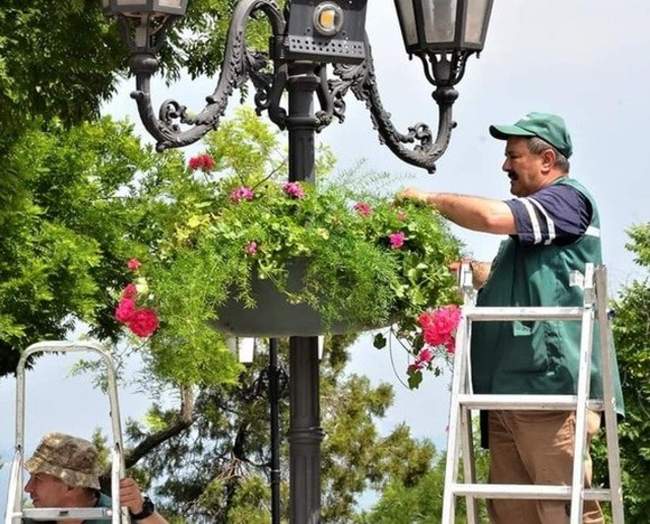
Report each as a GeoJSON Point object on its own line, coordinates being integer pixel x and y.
{"type": "Point", "coordinates": [251, 248]}
{"type": "Point", "coordinates": [143, 322]}
{"type": "Point", "coordinates": [241, 193]}
{"type": "Point", "coordinates": [130, 291]}
{"type": "Point", "coordinates": [203, 162]}
{"type": "Point", "coordinates": [401, 215]}
{"type": "Point", "coordinates": [293, 190]}
{"type": "Point", "coordinates": [133, 264]}
{"type": "Point", "coordinates": [422, 360]}
{"type": "Point", "coordinates": [439, 326]}
{"type": "Point", "coordinates": [124, 310]}
{"type": "Point", "coordinates": [363, 208]}
{"type": "Point", "coordinates": [397, 240]}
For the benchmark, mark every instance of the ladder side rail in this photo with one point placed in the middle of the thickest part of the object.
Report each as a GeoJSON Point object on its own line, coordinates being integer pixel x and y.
{"type": "Point", "coordinates": [469, 466]}
{"type": "Point", "coordinates": [611, 433]}
{"type": "Point", "coordinates": [14, 491]}
{"type": "Point", "coordinates": [118, 467]}
{"type": "Point", "coordinates": [458, 382]}
{"type": "Point", "coordinates": [584, 380]}
{"type": "Point", "coordinates": [453, 437]}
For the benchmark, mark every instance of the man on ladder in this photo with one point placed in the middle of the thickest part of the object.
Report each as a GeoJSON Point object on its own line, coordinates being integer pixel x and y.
{"type": "Point", "coordinates": [554, 232]}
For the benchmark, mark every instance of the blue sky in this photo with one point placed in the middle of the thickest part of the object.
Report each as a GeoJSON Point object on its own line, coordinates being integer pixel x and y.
{"type": "Point", "coordinates": [583, 59]}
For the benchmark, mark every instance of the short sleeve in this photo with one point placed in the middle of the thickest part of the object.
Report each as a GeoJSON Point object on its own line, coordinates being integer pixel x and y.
{"type": "Point", "coordinates": [558, 214]}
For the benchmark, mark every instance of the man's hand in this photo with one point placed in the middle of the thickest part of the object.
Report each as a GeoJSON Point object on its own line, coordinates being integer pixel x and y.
{"type": "Point", "coordinates": [130, 495]}
{"type": "Point", "coordinates": [412, 194]}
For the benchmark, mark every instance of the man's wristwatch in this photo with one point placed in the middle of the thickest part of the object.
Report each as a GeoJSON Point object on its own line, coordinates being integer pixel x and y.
{"type": "Point", "coordinates": [147, 510]}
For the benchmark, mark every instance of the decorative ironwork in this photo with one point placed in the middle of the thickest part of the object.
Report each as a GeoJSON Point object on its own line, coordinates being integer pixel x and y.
{"type": "Point", "coordinates": [269, 76]}
{"type": "Point", "coordinates": [361, 80]}
{"type": "Point", "coordinates": [239, 65]}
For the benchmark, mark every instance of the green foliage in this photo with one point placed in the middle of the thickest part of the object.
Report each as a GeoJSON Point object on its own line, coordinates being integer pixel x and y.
{"type": "Point", "coordinates": [316, 249]}
{"type": "Point", "coordinates": [217, 470]}
{"type": "Point", "coordinates": [64, 242]}
{"type": "Point", "coordinates": [631, 329]}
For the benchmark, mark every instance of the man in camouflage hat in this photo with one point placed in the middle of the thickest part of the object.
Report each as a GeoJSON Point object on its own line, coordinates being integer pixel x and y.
{"type": "Point", "coordinates": [64, 473]}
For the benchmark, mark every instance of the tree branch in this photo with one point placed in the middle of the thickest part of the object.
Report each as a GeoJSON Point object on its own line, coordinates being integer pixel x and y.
{"type": "Point", "coordinates": [183, 420]}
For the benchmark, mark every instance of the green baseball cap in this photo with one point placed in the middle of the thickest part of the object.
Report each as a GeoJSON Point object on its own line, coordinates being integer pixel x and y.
{"type": "Point", "coordinates": [548, 127]}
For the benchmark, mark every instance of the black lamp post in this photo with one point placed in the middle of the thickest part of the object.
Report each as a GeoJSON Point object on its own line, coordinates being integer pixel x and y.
{"type": "Point", "coordinates": [307, 36]}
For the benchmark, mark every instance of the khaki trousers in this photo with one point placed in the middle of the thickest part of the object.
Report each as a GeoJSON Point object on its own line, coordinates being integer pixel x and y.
{"type": "Point", "coordinates": [536, 447]}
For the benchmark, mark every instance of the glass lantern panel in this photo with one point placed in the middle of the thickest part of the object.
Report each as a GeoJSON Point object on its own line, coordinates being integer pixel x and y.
{"type": "Point", "coordinates": [440, 21]}
{"type": "Point", "coordinates": [407, 17]}
{"type": "Point", "coordinates": [476, 13]}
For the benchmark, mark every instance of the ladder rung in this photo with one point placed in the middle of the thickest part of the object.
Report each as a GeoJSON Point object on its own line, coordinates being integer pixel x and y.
{"type": "Point", "coordinates": [67, 513]}
{"type": "Point", "coordinates": [526, 402]}
{"type": "Point", "coordinates": [523, 313]}
{"type": "Point", "coordinates": [523, 491]}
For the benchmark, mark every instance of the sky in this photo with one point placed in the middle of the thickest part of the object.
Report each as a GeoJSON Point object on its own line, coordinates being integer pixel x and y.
{"type": "Point", "coordinates": [583, 59]}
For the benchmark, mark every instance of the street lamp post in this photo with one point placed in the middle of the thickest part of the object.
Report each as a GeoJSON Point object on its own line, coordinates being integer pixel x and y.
{"type": "Point", "coordinates": [307, 36]}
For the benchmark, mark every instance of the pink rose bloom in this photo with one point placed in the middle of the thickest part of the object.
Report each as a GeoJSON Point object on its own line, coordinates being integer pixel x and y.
{"type": "Point", "coordinates": [130, 291]}
{"type": "Point", "coordinates": [133, 264]}
{"type": "Point", "coordinates": [293, 190]}
{"type": "Point", "coordinates": [143, 322]}
{"type": "Point", "coordinates": [363, 208]}
{"type": "Point", "coordinates": [124, 310]}
{"type": "Point", "coordinates": [397, 240]}
{"type": "Point", "coordinates": [241, 193]}
{"type": "Point", "coordinates": [439, 326]}
{"type": "Point", "coordinates": [251, 248]}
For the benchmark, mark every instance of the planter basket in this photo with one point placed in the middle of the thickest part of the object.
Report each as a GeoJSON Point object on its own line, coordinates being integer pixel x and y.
{"type": "Point", "coordinates": [274, 316]}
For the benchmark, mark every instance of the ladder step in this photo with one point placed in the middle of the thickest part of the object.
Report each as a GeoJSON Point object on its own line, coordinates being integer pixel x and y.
{"type": "Point", "coordinates": [522, 313]}
{"type": "Point", "coordinates": [67, 514]}
{"type": "Point", "coordinates": [526, 402]}
{"type": "Point", "coordinates": [523, 491]}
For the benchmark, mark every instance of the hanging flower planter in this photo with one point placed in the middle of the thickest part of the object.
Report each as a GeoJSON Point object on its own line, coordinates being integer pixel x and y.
{"type": "Point", "coordinates": [266, 258]}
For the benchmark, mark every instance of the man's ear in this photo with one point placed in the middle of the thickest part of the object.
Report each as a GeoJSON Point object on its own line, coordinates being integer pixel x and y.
{"type": "Point", "coordinates": [549, 158]}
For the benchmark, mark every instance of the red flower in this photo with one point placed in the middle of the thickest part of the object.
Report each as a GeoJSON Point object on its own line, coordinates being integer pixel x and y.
{"type": "Point", "coordinates": [130, 291]}
{"type": "Point", "coordinates": [439, 326]}
{"type": "Point", "coordinates": [251, 248]}
{"type": "Point", "coordinates": [133, 264]}
{"type": "Point", "coordinates": [363, 208]}
{"type": "Point", "coordinates": [397, 240]}
{"type": "Point", "coordinates": [203, 162]}
{"type": "Point", "coordinates": [143, 322]}
{"type": "Point", "coordinates": [125, 310]}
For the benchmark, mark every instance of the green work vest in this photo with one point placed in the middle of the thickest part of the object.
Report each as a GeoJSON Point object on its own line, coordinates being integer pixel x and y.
{"type": "Point", "coordinates": [540, 357]}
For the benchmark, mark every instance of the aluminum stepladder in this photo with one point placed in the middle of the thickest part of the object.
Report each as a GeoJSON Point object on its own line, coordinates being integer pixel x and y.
{"type": "Point", "coordinates": [463, 401]}
{"type": "Point", "coordinates": [15, 511]}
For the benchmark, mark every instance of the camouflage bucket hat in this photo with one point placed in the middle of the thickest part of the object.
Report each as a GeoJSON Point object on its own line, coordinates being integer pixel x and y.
{"type": "Point", "coordinates": [71, 459]}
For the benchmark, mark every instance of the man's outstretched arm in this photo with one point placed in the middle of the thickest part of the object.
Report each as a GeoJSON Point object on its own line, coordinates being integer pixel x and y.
{"type": "Point", "coordinates": [475, 213]}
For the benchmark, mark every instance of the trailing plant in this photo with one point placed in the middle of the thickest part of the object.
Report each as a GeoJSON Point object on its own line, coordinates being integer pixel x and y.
{"type": "Point", "coordinates": [370, 262]}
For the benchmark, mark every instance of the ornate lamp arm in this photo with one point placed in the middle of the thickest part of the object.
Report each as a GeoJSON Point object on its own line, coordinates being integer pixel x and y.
{"type": "Point", "coordinates": [363, 83]}
{"type": "Point", "coordinates": [238, 65]}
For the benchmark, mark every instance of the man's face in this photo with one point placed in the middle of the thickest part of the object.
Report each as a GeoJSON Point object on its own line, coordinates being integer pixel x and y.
{"type": "Point", "coordinates": [523, 167]}
{"type": "Point", "coordinates": [47, 491]}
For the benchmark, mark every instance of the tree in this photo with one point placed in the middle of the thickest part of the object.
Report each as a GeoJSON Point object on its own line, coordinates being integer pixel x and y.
{"type": "Point", "coordinates": [64, 227]}
{"type": "Point", "coordinates": [217, 470]}
{"type": "Point", "coordinates": [631, 329]}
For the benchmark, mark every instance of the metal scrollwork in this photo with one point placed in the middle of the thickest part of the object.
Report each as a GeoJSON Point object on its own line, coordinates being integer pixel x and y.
{"type": "Point", "coordinates": [238, 66]}
{"type": "Point", "coordinates": [361, 80]}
